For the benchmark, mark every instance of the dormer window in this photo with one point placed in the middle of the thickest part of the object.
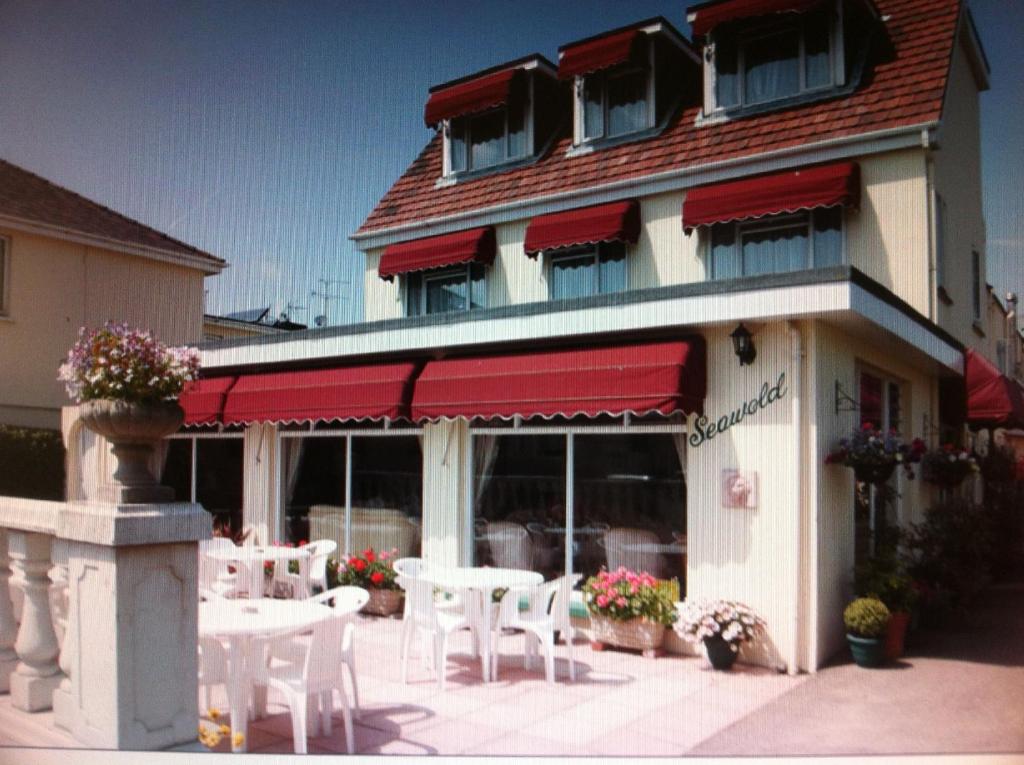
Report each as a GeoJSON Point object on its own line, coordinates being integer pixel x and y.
{"type": "Point", "coordinates": [616, 103]}
{"type": "Point", "coordinates": [487, 139]}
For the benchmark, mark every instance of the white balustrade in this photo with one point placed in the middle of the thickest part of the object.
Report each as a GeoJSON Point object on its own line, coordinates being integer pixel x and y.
{"type": "Point", "coordinates": [8, 626]}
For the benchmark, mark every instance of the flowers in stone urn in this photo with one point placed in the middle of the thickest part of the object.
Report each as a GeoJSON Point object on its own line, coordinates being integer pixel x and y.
{"type": "Point", "coordinates": [948, 465]}
{"type": "Point", "coordinates": [874, 454]}
{"type": "Point", "coordinates": [127, 383]}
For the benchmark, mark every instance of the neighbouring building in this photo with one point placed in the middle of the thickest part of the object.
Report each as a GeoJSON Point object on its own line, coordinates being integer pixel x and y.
{"type": "Point", "coordinates": [68, 262]}
{"type": "Point", "coordinates": [250, 323]}
{"type": "Point", "coordinates": [624, 303]}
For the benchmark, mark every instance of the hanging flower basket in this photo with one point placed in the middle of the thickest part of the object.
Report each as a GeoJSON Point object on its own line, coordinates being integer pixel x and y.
{"type": "Point", "coordinates": [948, 466]}
{"type": "Point", "coordinates": [875, 455]}
{"type": "Point", "coordinates": [875, 474]}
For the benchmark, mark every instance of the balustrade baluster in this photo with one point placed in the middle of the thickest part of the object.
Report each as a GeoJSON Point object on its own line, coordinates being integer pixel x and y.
{"type": "Point", "coordinates": [8, 626]}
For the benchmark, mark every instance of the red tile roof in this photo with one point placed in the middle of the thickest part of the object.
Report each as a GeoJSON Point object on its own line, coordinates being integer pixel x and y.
{"type": "Point", "coordinates": [29, 197]}
{"type": "Point", "coordinates": [902, 90]}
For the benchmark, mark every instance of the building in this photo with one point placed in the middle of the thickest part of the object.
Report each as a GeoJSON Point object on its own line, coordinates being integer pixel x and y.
{"type": "Point", "coordinates": [68, 262]}
{"type": "Point", "coordinates": [623, 304]}
{"type": "Point", "coordinates": [245, 324]}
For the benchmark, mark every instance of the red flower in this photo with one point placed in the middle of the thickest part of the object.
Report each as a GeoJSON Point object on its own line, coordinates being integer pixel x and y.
{"type": "Point", "coordinates": [377, 577]}
{"type": "Point", "coordinates": [867, 426]}
{"type": "Point", "coordinates": [368, 554]}
{"type": "Point", "coordinates": [358, 564]}
{"type": "Point", "coordinates": [302, 543]}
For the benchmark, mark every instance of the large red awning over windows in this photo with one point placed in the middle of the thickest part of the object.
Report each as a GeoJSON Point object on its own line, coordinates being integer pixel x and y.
{"type": "Point", "coordinates": [663, 377]}
{"type": "Point", "coordinates": [993, 399]}
{"type": "Point", "coordinates": [370, 392]}
{"type": "Point", "coordinates": [473, 246]}
{"type": "Point", "coordinates": [472, 96]}
{"type": "Point", "coordinates": [628, 46]}
{"type": "Point", "coordinates": [705, 17]}
{"type": "Point", "coordinates": [203, 400]}
{"type": "Point", "coordinates": [804, 189]}
{"type": "Point", "coordinates": [613, 222]}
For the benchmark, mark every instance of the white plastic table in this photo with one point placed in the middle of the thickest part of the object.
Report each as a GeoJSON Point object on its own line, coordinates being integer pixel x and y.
{"type": "Point", "coordinates": [481, 582]}
{"type": "Point", "coordinates": [244, 623]}
{"type": "Point", "coordinates": [252, 557]}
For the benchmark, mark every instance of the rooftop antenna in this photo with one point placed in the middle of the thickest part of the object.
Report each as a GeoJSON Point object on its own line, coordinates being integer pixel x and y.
{"type": "Point", "coordinates": [325, 294]}
{"type": "Point", "coordinates": [291, 308]}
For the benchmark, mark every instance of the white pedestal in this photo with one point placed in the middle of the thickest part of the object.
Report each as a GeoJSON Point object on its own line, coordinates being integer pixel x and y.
{"type": "Point", "coordinates": [130, 647]}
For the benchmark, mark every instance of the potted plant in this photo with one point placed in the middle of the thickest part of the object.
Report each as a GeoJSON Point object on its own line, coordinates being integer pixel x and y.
{"type": "Point", "coordinates": [875, 455]}
{"type": "Point", "coordinates": [128, 384]}
{"type": "Point", "coordinates": [947, 466]}
{"type": "Point", "coordinates": [722, 625]}
{"type": "Point", "coordinates": [373, 572]}
{"type": "Point", "coordinates": [866, 621]}
{"type": "Point", "coordinates": [883, 576]}
{"type": "Point", "coordinates": [629, 609]}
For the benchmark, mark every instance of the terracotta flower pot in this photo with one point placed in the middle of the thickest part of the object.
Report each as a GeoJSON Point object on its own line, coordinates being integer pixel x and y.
{"type": "Point", "coordinates": [133, 429]}
{"type": "Point", "coordinates": [895, 634]}
{"type": "Point", "coordinates": [384, 602]}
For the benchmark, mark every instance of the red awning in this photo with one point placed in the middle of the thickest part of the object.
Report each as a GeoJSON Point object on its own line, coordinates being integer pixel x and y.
{"type": "Point", "coordinates": [993, 399]}
{"type": "Point", "coordinates": [602, 53]}
{"type": "Point", "coordinates": [663, 377]}
{"type": "Point", "coordinates": [203, 400]}
{"type": "Point", "coordinates": [705, 17]}
{"type": "Point", "coordinates": [805, 189]}
{"type": "Point", "coordinates": [614, 222]}
{"type": "Point", "coordinates": [474, 246]}
{"type": "Point", "coordinates": [472, 96]}
{"type": "Point", "coordinates": [370, 392]}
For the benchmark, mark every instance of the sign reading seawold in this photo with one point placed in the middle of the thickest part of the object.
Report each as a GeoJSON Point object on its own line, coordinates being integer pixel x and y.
{"type": "Point", "coordinates": [706, 429]}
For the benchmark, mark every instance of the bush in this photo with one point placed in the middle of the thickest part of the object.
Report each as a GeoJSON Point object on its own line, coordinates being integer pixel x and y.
{"type": "Point", "coordinates": [884, 577]}
{"type": "Point", "coordinates": [31, 463]}
{"type": "Point", "coordinates": [866, 618]}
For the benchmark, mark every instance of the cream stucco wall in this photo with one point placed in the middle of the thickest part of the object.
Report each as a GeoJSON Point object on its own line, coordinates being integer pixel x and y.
{"type": "Point", "coordinates": [58, 286]}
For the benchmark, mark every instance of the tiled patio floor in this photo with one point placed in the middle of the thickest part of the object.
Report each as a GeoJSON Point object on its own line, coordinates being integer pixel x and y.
{"type": "Point", "coordinates": [620, 704]}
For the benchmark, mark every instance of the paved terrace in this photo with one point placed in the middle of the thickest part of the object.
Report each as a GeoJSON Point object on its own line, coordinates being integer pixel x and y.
{"type": "Point", "coordinates": [959, 690]}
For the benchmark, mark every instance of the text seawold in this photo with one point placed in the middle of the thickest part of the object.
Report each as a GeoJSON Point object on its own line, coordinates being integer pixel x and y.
{"type": "Point", "coordinates": [706, 428]}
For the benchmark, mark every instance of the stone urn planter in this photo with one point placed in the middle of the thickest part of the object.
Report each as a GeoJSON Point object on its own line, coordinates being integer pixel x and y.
{"type": "Point", "coordinates": [384, 602]}
{"type": "Point", "coordinates": [719, 652]}
{"type": "Point", "coordinates": [636, 634]}
{"type": "Point", "coordinates": [133, 429]}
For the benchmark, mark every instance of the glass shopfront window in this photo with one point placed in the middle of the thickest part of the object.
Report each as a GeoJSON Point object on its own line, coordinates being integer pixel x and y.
{"type": "Point", "coordinates": [208, 470]}
{"type": "Point", "coordinates": [359, 491]}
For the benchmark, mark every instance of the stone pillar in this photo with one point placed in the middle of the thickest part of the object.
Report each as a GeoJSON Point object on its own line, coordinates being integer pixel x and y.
{"type": "Point", "coordinates": [8, 626]}
{"type": "Point", "coordinates": [130, 647]}
{"type": "Point", "coordinates": [37, 673]}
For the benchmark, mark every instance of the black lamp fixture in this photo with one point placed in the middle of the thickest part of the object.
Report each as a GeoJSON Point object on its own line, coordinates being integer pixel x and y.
{"type": "Point", "coordinates": [743, 345]}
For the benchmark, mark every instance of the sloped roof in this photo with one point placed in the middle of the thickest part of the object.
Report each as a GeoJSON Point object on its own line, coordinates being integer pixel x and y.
{"type": "Point", "coordinates": [904, 89]}
{"type": "Point", "coordinates": [29, 197]}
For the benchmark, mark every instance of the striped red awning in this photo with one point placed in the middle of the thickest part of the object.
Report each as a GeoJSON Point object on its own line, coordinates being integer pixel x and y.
{"type": "Point", "coordinates": [476, 245]}
{"type": "Point", "coordinates": [370, 392]}
{"type": "Point", "coordinates": [705, 17]}
{"type": "Point", "coordinates": [794, 190]}
{"type": "Point", "coordinates": [613, 222]}
{"type": "Point", "coordinates": [596, 54]}
{"type": "Point", "coordinates": [664, 377]}
{"type": "Point", "coordinates": [472, 96]}
{"type": "Point", "coordinates": [993, 399]}
{"type": "Point", "coordinates": [203, 400]}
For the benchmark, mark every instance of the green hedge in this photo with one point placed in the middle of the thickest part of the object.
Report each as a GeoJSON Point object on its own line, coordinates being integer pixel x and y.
{"type": "Point", "coordinates": [31, 463]}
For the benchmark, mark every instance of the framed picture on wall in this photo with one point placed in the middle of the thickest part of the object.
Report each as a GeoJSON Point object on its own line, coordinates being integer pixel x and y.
{"type": "Point", "coordinates": [739, 489]}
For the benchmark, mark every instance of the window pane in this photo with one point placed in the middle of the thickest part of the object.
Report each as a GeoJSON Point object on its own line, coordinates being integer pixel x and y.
{"type": "Point", "coordinates": [613, 267]}
{"type": "Point", "coordinates": [772, 67]}
{"type": "Point", "coordinates": [487, 136]}
{"type": "Point", "coordinates": [457, 141]}
{"type": "Point", "coordinates": [593, 107]}
{"type": "Point", "coordinates": [627, 103]}
{"type": "Point", "coordinates": [573, 276]}
{"type": "Point", "coordinates": [413, 294]}
{"type": "Point", "coordinates": [387, 489]}
{"type": "Point", "coordinates": [519, 502]}
{"type": "Point", "coordinates": [818, 65]}
{"type": "Point", "coordinates": [768, 251]}
{"type": "Point", "coordinates": [726, 74]}
{"type": "Point", "coordinates": [630, 504]}
{"type": "Point", "coordinates": [870, 400]}
{"type": "Point", "coordinates": [516, 132]}
{"type": "Point", "coordinates": [828, 237]}
{"type": "Point", "coordinates": [725, 256]}
{"type": "Point", "coordinates": [219, 479]}
{"type": "Point", "coordinates": [177, 471]}
{"type": "Point", "coordinates": [895, 411]}
{"type": "Point", "coordinates": [313, 489]}
{"type": "Point", "coordinates": [446, 293]}
{"type": "Point", "coordinates": [478, 286]}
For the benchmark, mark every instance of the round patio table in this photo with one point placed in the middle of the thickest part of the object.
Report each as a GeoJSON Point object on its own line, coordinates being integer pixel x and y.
{"type": "Point", "coordinates": [252, 557]}
{"type": "Point", "coordinates": [477, 586]}
{"type": "Point", "coordinates": [244, 623]}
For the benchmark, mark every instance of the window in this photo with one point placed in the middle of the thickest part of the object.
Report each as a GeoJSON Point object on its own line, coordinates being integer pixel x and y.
{"type": "Point", "coordinates": [444, 290]}
{"type": "Point", "coordinates": [976, 285]}
{"type": "Point", "coordinates": [771, 63]}
{"type": "Point", "coordinates": [208, 470]}
{"type": "Point", "coordinates": [487, 139]}
{"type": "Point", "coordinates": [581, 271]}
{"type": "Point", "coordinates": [877, 509]}
{"type": "Point", "coordinates": [4, 277]}
{"type": "Point", "coordinates": [615, 103]}
{"type": "Point", "coordinates": [777, 243]}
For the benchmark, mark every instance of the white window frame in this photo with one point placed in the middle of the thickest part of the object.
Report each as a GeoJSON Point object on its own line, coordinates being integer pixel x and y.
{"type": "Point", "coordinates": [579, 102]}
{"type": "Point", "coordinates": [887, 381]}
{"type": "Point", "coordinates": [438, 275]}
{"type": "Point", "coordinates": [568, 253]}
{"type": "Point", "coordinates": [446, 133]}
{"type": "Point", "coordinates": [348, 434]}
{"type": "Point", "coordinates": [5, 276]}
{"type": "Point", "coordinates": [837, 64]}
{"type": "Point", "coordinates": [193, 438]}
{"type": "Point", "coordinates": [770, 223]}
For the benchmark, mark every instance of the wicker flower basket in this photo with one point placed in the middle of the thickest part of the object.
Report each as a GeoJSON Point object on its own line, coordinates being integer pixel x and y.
{"type": "Point", "coordinates": [384, 602]}
{"type": "Point", "coordinates": [637, 634]}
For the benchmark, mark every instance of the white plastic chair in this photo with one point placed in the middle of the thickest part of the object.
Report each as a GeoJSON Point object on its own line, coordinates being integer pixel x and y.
{"type": "Point", "coordinates": [322, 549]}
{"type": "Point", "coordinates": [547, 613]}
{"type": "Point", "coordinates": [434, 624]}
{"type": "Point", "coordinates": [510, 544]}
{"type": "Point", "coordinates": [213, 573]}
{"type": "Point", "coordinates": [348, 601]}
{"type": "Point", "coordinates": [213, 658]}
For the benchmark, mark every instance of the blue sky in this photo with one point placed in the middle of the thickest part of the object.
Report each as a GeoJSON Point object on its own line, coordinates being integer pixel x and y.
{"type": "Point", "coordinates": [264, 132]}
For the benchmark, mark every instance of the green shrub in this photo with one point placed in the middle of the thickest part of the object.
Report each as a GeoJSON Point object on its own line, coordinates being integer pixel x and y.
{"type": "Point", "coordinates": [884, 576]}
{"type": "Point", "coordinates": [31, 463]}
{"type": "Point", "coordinates": [866, 617]}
